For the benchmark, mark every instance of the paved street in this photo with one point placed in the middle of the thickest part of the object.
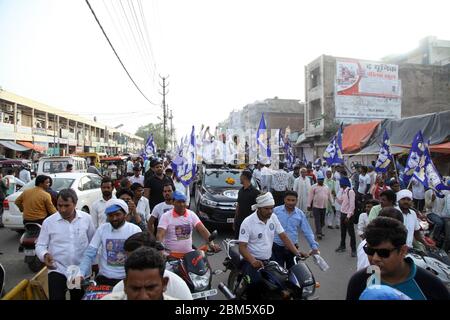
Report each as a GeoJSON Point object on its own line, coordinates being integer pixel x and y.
{"type": "Point", "coordinates": [333, 283]}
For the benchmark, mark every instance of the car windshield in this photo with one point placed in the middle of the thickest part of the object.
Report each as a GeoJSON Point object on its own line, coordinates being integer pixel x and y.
{"type": "Point", "coordinates": [55, 166]}
{"type": "Point", "coordinates": [222, 179]}
{"type": "Point", "coordinates": [58, 184]}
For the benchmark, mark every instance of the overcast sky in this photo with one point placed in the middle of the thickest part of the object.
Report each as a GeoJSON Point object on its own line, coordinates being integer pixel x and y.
{"type": "Point", "coordinates": [220, 55]}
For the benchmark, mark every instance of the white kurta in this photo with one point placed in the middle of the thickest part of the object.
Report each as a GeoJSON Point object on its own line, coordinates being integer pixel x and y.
{"type": "Point", "coordinates": [302, 187]}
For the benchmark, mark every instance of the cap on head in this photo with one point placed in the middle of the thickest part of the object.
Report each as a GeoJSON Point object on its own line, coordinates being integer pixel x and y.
{"type": "Point", "coordinates": [178, 196]}
{"type": "Point", "coordinates": [320, 176]}
{"type": "Point", "coordinates": [114, 205]}
{"type": "Point", "coordinates": [264, 200]}
{"type": "Point", "coordinates": [402, 194]}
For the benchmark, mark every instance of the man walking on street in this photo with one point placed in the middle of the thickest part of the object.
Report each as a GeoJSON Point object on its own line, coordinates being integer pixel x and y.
{"type": "Point", "coordinates": [137, 177]}
{"type": "Point", "coordinates": [62, 241]}
{"type": "Point", "coordinates": [98, 207]}
{"type": "Point", "coordinates": [153, 187]}
{"type": "Point", "coordinates": [318, 200]}
{"type": "Point", "coordinates": [246, 198]}
{"type": "Point", "coordinates": [36, 203]}
{"type": "Point", "coordinates": [347, 201]}
{"type": "Point", "coordinates": [302, 185]}
{"type": "Point", "coordinates": [332, 216]}
{"type": "Point", "coordinates": [293, 221]}
{"type": "Point", "coordinates": [279, 184]}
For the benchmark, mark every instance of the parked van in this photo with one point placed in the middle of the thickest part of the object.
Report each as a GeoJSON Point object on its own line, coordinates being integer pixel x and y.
{"type": "Point", "coordinates": [48, 165]}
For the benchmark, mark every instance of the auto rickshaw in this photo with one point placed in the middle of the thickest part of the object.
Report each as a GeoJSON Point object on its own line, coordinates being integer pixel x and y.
{"type": "Point", "coordinates": [92, 158]}
{"type": "Point", "coordinates": [114, 168]}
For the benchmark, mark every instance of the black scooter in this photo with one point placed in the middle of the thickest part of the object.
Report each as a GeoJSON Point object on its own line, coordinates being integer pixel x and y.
{"type": "Point", "coordinates": [28, 246]}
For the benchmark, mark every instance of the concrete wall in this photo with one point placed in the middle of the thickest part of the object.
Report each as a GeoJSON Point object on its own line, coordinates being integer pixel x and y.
{"type": "Point", "coordinates": [425, 89]}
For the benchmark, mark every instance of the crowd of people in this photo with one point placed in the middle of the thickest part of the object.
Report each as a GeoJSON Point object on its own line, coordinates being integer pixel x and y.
{"type": "Point", "coordinates": [118, 240]}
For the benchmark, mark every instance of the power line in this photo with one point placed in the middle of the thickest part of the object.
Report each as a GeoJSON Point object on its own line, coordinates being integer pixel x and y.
{"type": "Point", "coordinates": [112, 47]}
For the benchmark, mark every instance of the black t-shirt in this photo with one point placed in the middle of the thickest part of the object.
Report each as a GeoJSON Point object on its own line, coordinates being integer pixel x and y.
{"type": "Point", "coordinates": [246, 198]}
{"type": "Point", "coordinates": [431, 286]}
{"type": "Point", "coordinates": [156, 186]}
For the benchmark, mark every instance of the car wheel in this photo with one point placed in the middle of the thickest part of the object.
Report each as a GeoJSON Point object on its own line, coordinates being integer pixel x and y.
{"type": "Point", "coordinates": [85, 209]}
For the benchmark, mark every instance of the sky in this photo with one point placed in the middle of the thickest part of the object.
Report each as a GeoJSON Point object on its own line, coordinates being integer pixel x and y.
{"type": "Point", "coordinates": [219, 54]}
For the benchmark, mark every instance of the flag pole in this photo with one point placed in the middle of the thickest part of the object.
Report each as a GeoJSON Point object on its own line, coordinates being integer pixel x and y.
{"type": "Point", "coordinates": [395, 167]}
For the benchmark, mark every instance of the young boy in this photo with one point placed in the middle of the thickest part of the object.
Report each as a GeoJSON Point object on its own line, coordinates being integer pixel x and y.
{"type": "Point", "coordinates": [364, 217]}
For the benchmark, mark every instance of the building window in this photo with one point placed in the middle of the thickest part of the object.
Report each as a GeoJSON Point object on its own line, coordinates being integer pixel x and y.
{"type": "Point", "coordinates": [315, 110]}
{"type": "Point", "coordinates": [314, 77]}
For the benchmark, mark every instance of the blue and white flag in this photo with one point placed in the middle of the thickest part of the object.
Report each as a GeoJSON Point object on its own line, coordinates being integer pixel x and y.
{"type": "Point", "coordinates": [385, 157]}
{"type": "Point", "coordinates": [289, 155]}
{"type": "Point", "coordinates": [305, 161]}
{"type": "Point", "coordinates": [281, 142]}
{"type": "Point", "coordinates": [433, 179]}
{"type": "Point", "coordinates": [262, 140]}
{"type": "Point", "coordinates": [333, 153]}
{"type": "Point", "coordinates": [184, 164]}
{"type": "Point", "coordinates": [415, 165]}
{"type": "Point", "coordinates": [150, 147]}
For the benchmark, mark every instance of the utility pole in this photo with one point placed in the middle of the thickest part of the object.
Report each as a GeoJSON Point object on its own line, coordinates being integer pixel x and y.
{"type": "Point", "coordinates": [164, 93]}
{"type": "Point", "coordinates": [171, 131]}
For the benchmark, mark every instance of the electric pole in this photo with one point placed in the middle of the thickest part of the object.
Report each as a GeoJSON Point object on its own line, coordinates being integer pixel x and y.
{"type": "Point", "coordinates": [171, 131]}
{"type": "Point", "coordinates": [164, 93]}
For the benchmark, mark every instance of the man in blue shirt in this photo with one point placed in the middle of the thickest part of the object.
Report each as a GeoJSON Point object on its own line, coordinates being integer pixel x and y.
{"type": "Point", "coordinates": [292, 220]}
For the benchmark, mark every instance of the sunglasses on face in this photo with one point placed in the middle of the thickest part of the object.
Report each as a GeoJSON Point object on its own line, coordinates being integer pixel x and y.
{"type": "Point", "coordinates": [382, 253]}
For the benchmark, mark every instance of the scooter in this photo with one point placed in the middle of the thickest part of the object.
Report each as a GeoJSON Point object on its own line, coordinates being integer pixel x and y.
{"type": "Point", "coordinates": [277, 283]}
{"type": "Point", "coordinates": [195, 270]}
{"type": "Point", "coordinates": [28, 245]}
{"type": "Point", "coordinates": [435, 266]}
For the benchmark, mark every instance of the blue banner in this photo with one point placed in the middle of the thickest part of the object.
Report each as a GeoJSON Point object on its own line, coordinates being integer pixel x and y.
{"type": "Point", "coordinates": [333, 153]}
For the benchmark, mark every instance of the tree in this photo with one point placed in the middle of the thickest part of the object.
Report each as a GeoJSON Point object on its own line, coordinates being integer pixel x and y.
{"type": "Point", "coordinates": [156, 129]}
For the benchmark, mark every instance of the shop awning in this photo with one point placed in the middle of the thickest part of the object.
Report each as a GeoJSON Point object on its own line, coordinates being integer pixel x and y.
{"type": "Point", "coordinates": [357, 135]}
{"type": "Point", "coordinates": [438, 148]}
{"type": "Point", "coordinates": [13, 146]}
{"type": "Point", "coordinates": [35, 147]}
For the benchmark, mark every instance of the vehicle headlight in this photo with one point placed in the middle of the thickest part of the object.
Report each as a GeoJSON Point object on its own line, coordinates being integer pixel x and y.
{"type": "Point", "coordinates": [208, 202]}
{"type": "Point", "coordinates": [201, 282]}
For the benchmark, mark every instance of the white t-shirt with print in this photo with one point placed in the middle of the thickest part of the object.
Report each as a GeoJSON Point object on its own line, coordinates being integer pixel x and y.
{"type": "Point", "coordinates": [259, 235]}
{"type": "Point", "coordinates": [160, 209]}
{"type": "Point", "coordinates": [411, 223]}
{"type": "Point", "coordinates": [112, 254]}
{"type": "Point", "coordinates": [178, 238]}
{"type": "Point", "coordinates": [363, 182]}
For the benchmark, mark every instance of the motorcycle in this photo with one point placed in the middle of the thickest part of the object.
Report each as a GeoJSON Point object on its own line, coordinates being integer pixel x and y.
{"type": "Point", "coordinates": [91, 290]}
{"type": "Point", "coordinates": [435, 266]}
{"type": "Point", "coordinates": [195, 270]}
{"type": "Point", "coordinates": [278, 283]}
{"type": "Point", "coordinates": [28, 246]}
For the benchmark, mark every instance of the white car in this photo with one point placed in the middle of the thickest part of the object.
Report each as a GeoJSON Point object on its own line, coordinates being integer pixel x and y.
{"type": "Point", "coordinates": [86, 185]}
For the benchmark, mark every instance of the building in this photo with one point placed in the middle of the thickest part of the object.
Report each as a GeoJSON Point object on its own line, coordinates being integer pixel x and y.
{"type": "Point", "coordinates": [353, 90]}
{"type": "Point", "coordinates": [278, 114]}
{"type": "Point", "coordinates": [431, 51]}
{"type": "Point", "coordinates": [36, 126]}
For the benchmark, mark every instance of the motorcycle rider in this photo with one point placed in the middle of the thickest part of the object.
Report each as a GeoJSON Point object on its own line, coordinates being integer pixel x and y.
{"type": "Point", "coordinates": [36, 203]}
{"type": "Point", "coordinates": [175, 228]}
{"type": "Point", "coordinates": [63, 239]}
{"type": "Point", "coordinates": [109, 238]}
{"type": "Point", "coordinates": [256, 240]}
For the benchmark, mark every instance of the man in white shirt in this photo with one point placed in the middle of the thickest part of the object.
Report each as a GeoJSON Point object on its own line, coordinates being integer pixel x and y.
{"type": "Point", "coordinates": [418, 194]}
{"type": "Point", "coordinates": [257, 172]}
{"type": "Point", "coordinates": [176, 287]}
{"type": "Point", "coordinates": [364, 181]}
{"type": "Point", "coordinates": [141, 202]}
{"type": "Point", "coordinates": [410, 220]}
{"type": "Point", "coordinates": [130, 166]}
{"type": "Point", "coordinates": [302, 185]}
{"type": "Point", "coordinates": [161, 208]}
{"type": "Point", "coordinates": [279, 183]}
{"type": "Point", "coordinates": [62, 241]}
{"type": "Point", "coordinates": [179, 186]}
{"type": "Point", "coordinates": [109, 238]}
{"type": "Point", "coordinates": [98, 207]}
{"type": "Point", "coordinates": [137, 177]}
{"type": "Point", "coordinates": [25, 175]}
{"type": "Point", "coordinates": [435, 207]}
{"type": "Point", "coordinates": [256, 240]}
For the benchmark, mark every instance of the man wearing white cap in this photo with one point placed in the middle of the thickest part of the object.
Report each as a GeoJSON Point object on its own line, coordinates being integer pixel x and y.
{"type": "Point", "coordinates": [109, 238]}
{"type": "Point", "coordinates": [410, 220]}
{"type": "Point", "coordinates": [256, 238]}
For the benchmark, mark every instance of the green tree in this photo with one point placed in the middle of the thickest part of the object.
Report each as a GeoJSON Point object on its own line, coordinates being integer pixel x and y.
{"type": "Point", "coordinates": [156, 129]}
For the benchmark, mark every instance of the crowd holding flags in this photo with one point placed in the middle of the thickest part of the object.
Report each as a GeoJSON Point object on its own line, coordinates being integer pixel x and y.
{"type": "Point", "coordinates": [384, 157]}
{"type": "Point", "coordinates": [184, 165]}
{"type": "Point", "coordinates": [333, 153]}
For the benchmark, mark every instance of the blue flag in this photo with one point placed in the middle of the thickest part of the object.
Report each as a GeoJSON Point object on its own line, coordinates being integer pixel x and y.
{"type": "Point", "coordinates": [150, 147]}
{"type": "Point", "coordinates": [385, 157]}
{"type": "Point", "coordinates": [415, 165]}
{"type": "Point", "coordinates": [333, 153]}
{"type": "Point", "coordinates": [184, 165]}
{"type": "Point", "coordinates": [433, 179]}
{"type": "Point", "coordinates": [262, 138]}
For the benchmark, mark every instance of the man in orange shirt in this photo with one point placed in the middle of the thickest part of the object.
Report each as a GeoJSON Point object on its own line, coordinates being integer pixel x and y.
{"type": "Point", "coordinates": [36, 203]}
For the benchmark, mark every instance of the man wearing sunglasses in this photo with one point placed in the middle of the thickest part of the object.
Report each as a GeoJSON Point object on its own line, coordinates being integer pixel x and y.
{"type": "Point", "coordinates": [386, 248]}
